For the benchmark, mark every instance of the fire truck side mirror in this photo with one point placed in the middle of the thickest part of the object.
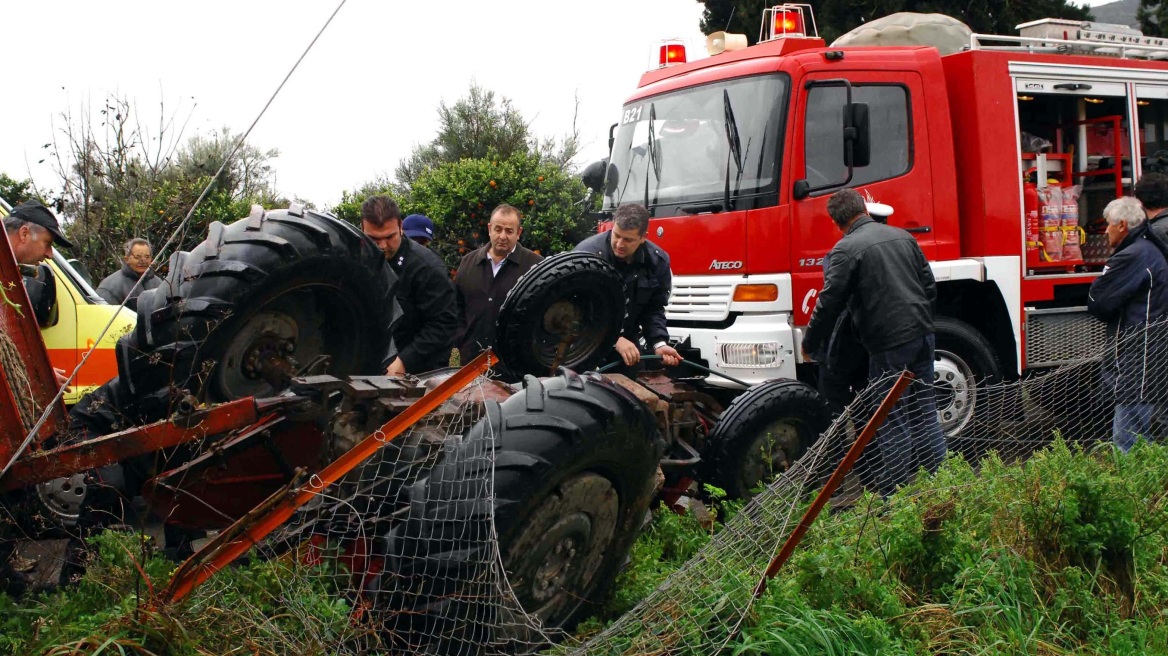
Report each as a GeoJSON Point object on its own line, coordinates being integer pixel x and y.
{"type": "Point", "coordinates": [801, 190]}
{"type": "Point", "coordinates": [593, 175]}
{"type": "Point", "coordinates": [857, 136]}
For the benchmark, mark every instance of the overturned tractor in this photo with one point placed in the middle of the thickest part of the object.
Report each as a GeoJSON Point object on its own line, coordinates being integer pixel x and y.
{"type": "Point", "coordinates": [249, 403]}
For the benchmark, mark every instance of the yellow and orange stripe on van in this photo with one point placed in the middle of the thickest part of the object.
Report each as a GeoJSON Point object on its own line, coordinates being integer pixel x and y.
{"type": "Point", "coordinates": [79, 322]}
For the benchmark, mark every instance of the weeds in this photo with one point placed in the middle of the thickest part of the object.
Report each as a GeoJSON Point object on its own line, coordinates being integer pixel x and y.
{"type": "Point", "coordinates": [1065, 553]}
{"type": "Point", "coordinates": [265, 607]}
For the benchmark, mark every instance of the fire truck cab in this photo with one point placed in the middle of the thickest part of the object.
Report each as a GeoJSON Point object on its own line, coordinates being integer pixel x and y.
{"type": "Point", "coordinates": [999, 158]}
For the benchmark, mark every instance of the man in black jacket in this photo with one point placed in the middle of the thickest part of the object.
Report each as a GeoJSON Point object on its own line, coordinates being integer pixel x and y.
{"type": "Point", "coordinates": [879, 274]}
{"type": "Point", "coordinates": [484, 278]}
{"type": "Point", "coordinates": [648, 281]}
{"type": "Point", "coordinates": [1132, 297]}
{"type": "Point", "coordinates": [123, 283]}
{"type": "Point", "coordinates": [425, 333]}
{"type": "Point", "coordinates": [1152, 191]}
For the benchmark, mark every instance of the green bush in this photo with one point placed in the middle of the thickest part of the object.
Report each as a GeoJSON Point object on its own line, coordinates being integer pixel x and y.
{"type": "Point", "coordinates": [459, 198]}
{"type": "Point", "coordinates": [1065, 553]}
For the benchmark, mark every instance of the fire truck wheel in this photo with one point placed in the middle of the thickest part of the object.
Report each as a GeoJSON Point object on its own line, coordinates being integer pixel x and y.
{"type": "Point", "coordinates": [763, 432]}
{"type": "Point", "coordinates": [966, 373]}
{"type": "Point", "coordinates": [567, 311]}
{"type": "Point", "coordinates": [573, 459]}
{"type": "Point", "coordinates": [257, 302]}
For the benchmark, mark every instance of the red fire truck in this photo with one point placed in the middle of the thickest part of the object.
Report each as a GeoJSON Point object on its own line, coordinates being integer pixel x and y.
{"type": "Point", "coordinates": [998, 157]}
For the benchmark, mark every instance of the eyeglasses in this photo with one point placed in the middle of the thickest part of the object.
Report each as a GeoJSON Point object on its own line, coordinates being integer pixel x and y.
{"type": "Point", "coordinates": [140, 258]}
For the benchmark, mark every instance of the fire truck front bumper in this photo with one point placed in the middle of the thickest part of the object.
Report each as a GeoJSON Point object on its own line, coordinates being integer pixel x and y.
{"type": "Point", "coordinates": [753, 349]}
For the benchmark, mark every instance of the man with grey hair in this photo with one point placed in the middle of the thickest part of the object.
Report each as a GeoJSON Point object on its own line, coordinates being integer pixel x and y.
{"type": "Point", "coordinates": [1132, 297]}
{"type": "Point", "coordinates": [122, 284]}
{"type": "Point", "coordinates": [879, 274]}
{"type": "Point", "coordinates": [644, 267]}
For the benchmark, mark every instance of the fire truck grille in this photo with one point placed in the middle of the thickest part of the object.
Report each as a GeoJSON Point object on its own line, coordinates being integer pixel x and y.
{"type": "Point", "coordinates": [699, 299]}
{"type": "Point", "coordinates": [1063, 336]}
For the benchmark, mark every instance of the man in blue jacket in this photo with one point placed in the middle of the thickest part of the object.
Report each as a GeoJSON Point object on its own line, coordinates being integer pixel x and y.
{"type": "Point", "coordinates": [1132, 297]}
{"type": "Point", "coordinates": [644, 267]}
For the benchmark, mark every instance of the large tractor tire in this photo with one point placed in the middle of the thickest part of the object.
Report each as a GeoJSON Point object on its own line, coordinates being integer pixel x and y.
{"type": "Point", "coordinates": [567, 311]}
{"type": "Point", "coordinates": [763, 432]}
{"type": "Point", "coordinates": [256, 303]}
{"type": "Point", "coordinates": [573, 460]}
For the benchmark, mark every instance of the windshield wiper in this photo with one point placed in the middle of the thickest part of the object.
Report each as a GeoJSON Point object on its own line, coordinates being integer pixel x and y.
{"type": "Point", "coordinates": [653, 162]}
{"type": "Point", "coordinates": [735, 147]}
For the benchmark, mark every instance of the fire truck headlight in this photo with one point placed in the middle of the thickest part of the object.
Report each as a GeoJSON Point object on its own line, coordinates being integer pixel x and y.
{"type": "Point", "coordinates": [750, 355]}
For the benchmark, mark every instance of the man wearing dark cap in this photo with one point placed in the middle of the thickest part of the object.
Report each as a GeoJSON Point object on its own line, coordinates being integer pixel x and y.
{"type": "Point", "coordinates": [32, 231]}
{"type": "Point", "coordinates": [419, 228]}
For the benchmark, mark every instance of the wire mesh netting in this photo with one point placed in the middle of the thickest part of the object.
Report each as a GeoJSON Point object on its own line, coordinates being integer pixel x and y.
{"type": "Point", "coordinates": [488, 526]}
{"type": "Point", "coordinates": [1120, 396]}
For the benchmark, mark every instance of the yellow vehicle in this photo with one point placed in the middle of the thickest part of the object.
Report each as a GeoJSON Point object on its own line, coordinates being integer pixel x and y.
{"type": "Point", "coordinates": [80, 318]}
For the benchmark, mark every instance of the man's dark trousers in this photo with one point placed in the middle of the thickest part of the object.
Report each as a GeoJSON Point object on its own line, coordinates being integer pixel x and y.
{"type": "Point", "coordinates": [911, 437]}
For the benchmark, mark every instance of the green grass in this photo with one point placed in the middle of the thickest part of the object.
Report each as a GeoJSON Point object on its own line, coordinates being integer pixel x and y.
{"type": "Point", "coordinates": [1066, 553]}
{"type": "Point", "coordinates": [264, 607]}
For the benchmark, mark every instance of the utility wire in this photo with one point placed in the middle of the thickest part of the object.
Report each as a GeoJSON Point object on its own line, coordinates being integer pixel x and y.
{"type": "Point", "coordinates": [178, 230]}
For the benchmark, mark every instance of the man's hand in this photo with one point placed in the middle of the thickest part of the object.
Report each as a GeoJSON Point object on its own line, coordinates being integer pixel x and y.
{"type": "Point", "coordinates": [669, 355]}
{"type": "Point", "coordinates": [628, 351]}
{"type": "Point", "coordinates": [806, 356]}
{"type": "Point", "coordinates": [396, 368]}
{"type": "Point", "coordinates": [62, 377]}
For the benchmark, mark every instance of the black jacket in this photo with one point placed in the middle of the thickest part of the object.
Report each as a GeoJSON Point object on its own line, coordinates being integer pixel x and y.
{"type": "Point", "coordinates": [648, 282]}
{"type": "Point", "coordinates": [880, 274]}
{"type": "Point", "coordinates": [1159, 226]}
{"type": "Point", "coordinates": [118, 284]}
{"type": "Point", "coordinates": [481, 293]}
{"type": "Point", "coordinates": [425, 333]}
{"type": "Point", "coordinates": [1132, 297]}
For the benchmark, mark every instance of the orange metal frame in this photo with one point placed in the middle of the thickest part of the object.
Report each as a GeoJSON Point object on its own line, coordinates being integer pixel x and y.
{"type": "Point", "coordinates": [63, 461]}
{"type": "Point", "coordinates": [241, 536]}
{"type": "Point", "coordinates": [18, 324]}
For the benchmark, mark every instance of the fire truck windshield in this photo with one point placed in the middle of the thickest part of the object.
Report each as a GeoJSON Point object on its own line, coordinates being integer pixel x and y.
{"type": "Point", "coordinates": [690, 161]}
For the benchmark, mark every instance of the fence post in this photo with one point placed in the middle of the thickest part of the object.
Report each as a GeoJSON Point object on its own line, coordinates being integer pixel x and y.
{"type": "Point", "coordinates": [833, 483]}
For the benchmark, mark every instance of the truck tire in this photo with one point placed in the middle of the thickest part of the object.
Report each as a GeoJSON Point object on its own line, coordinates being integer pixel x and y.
{"type": "Point", "coordinates": [966, 376]}
{"type": "Point", "coordinates": [573, 460]}
{"type": "Point", "coordinates": [763, 432]}
{"type": "Point", "coordinates": [254, 303]}
{"type": "Point", "coordinates": [567, 311]}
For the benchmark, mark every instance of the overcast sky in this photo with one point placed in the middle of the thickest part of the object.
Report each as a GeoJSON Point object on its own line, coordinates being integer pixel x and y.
{"type": "Point", "coordinates": [363, 97]}
{"type": "Point", "coordinates": [366, 93]}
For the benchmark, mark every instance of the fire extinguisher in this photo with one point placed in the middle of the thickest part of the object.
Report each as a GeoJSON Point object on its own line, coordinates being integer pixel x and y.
{"type": "Point", "coordinates": [1031, 206]}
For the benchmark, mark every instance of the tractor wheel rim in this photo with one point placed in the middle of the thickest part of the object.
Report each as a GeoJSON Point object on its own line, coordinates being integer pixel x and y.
{"type": "Point", "coordinates": [770, 454]}
{"type": "Point", "coordinates": [63, 498]}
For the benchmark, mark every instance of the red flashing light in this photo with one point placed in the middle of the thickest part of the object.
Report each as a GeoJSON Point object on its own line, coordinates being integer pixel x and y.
{"type": "Point", "coordinates": [671, 53]}
{"type": "Point", "coordinates": [789, 22]}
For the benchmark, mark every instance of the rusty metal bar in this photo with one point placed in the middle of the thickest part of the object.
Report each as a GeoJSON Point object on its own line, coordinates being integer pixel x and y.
{"type": "Point", "coordinates": [241, 536]}
{"type": "Point", "coordinates": [837, 477]}
{"type": "Point", "coordinates": [18, 325]}
{"type": "Point", "coordinates": [63, 461]}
